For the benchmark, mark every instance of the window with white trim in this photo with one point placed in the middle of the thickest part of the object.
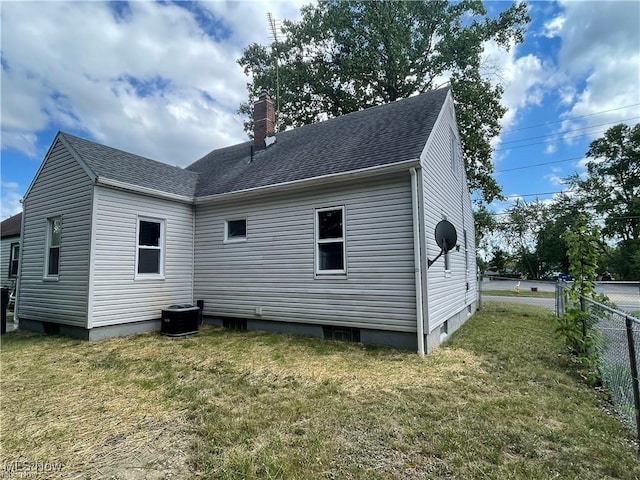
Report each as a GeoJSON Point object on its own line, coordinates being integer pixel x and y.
{"type": "Point", "coordinates": [150, 247]}
{"type": "Point", "coordinates": [330, 241]}
{"type": "Point", "coordinates": [235, 230]}
{"type": "Point", "coordinates": [54, 236]}
{"type": "Point", "coordinates": [13, 259]}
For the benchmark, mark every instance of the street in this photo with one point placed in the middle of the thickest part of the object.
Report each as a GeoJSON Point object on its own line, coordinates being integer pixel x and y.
{"type": "Point", "coordinates": [626, 295]}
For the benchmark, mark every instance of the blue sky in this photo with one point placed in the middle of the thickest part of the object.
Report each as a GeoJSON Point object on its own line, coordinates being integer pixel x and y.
{"type": "Point", "coordinates": [161, 80]}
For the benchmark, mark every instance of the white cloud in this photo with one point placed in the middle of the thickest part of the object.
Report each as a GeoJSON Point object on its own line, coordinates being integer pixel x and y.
{"type": "Point", "coordinates": [554, 178]}
{"type": "Point", "coordinates": [10, 199]}
{"type": "Point", "coordinates": [600, 51]}
{"type": "Point", "coordinates": [521, 76]}
{"type": "Point", "coordinates": [553, 27]}
{"type": "Point", "coordinates": [149, 78]}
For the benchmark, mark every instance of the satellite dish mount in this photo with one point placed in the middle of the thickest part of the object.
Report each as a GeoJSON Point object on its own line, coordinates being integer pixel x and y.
{"type": "Point", "coordinates": [446, 238]}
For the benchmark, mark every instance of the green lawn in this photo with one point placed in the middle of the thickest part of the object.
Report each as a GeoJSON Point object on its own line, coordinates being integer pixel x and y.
{"type": "Point", "coordinates": [500, 400]}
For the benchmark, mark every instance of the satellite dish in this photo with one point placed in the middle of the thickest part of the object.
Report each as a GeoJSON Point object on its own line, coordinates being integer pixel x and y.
{"type": "Point", "coordinates": [446, 238]}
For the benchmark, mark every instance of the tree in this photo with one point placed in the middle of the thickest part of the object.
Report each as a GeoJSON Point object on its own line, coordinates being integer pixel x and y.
{"type": "Point", "coordinates": [485, 224]}
{"type": "Point", "coordinates": [499, 261]}
{"type": "Point", "coordinates": [552, 247]}
{"type": "Point", "coordinates": [522, 229]}
{"type": "Point", "coordinates": [611, 189]}
{"type": "Point", "coordinates": [343, 56]}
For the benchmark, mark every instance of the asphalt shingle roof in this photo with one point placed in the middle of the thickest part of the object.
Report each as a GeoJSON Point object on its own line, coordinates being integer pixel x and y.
{"type": "Point", "coordinates": [11, 226]}
{"type": "Point", "coordinates": [122, 166]}
{"type": "Point", "coordinates": [372, 137]}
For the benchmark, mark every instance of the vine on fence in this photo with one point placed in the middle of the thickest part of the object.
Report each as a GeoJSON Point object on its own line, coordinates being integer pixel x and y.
{"type": "Point", "coordinates": [575, 325]}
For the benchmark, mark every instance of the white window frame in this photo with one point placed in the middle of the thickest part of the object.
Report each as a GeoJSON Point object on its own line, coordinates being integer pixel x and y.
{"type": "Point", "coordinates": [317, 242]}
{"type": "Point", "coordinates": [161, 247]}
{"type": "Point", "coordinates": [46, 275]}
{"type": "Point", "coordinates": [14, 257]}
{"type": "Point", "coordinates": [228, 239]}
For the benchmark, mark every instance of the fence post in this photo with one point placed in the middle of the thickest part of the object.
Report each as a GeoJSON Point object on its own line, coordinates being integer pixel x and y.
{"type": "Point", "coordinates": [583, 308]}
{"type": "Point", "coordinates": [634, 373]}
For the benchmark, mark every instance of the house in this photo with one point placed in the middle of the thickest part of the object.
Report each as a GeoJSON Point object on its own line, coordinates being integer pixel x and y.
{"type": "Point", "coordinates": [325, 230]}
{"type": "Point", "coordinates": [10, 250]}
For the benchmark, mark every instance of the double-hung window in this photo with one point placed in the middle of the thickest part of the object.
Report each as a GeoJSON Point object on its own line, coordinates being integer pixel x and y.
{"type": "Point", "coordinates": [13, 260]}
{"type": "Point", "coordinates": [330, 241]}
{"type": "Point", "coordinates": [150, 248]}
{"type": "Point", "coordinates": [54, 236]}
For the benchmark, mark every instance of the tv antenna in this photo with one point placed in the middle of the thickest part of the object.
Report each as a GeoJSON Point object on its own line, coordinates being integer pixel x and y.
{"type": "Point", "coordinates": [275, 30]}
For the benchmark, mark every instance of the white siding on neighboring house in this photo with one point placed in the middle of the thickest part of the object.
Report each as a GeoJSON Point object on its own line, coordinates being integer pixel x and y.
{"type": "Point", "coordinates": [270, 276]}
{"type": "Point", "coordinates": [8, 281]}
{"type": "Point", "coordinates": [62, 188]}
{"type": "Point", "coordinates": [446, 196]}
{"type": "Point", "coordinates": [117, 296]}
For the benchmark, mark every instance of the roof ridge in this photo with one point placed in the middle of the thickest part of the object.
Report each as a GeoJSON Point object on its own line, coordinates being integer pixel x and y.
{"type": "Point", "coordinates": [82, 139]}
{"type": "Point", "coordinates": [371, 137]}
{"type": "Point", "coordinates": [342, 118]}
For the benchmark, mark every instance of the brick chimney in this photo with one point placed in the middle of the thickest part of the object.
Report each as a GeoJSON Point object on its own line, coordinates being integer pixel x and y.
{"type": "Point", "coordinates": [264, 119]}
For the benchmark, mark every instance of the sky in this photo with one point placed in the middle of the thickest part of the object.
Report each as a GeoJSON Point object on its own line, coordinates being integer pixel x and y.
{"type": "Point", "coordinates": [161, 80]}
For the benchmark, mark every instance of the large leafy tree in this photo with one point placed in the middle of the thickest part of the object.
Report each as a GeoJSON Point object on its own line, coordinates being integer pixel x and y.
{"type": "Point", "coordinates": [611, 189]}
{"type": "Point", "coordinates": [521, 229]}
{"type": "Point", "coordinates": [343, 56]}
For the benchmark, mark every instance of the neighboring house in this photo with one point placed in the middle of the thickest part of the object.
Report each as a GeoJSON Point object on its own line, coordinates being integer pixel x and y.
{"type": "Point", "coordinates": [324, 230]}
{"type": "Point", "coordinates": [10, 250]}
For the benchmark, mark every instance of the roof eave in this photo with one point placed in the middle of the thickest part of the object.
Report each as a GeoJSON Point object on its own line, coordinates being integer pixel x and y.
{"type": "Point", "coordinates": [310, 182]}
{"type": "Point", "coordinates": [107, 182]}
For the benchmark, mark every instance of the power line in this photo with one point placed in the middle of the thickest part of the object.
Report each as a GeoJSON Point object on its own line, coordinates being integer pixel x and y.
{"type": "Point", "coordinates": [515, 195]}
{"type": "Point", "coordinates": [570, 118]}
{"type": "Point", "coordinates": [538, 164]}
{"type": "Point", "coordinates": [568, 131]}
{"type": "Point", "coordinates": [549, 141]}
{"type": "Point", "coordinates": [615, 217]}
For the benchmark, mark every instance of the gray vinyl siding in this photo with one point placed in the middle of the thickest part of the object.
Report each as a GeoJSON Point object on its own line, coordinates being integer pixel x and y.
{"type": "Point", "coordinates": [274, 268]}
{"type": "Point", "coordinates": [5, 257]}
{"type": "Point", "coordinates": [445, 194]}
{"type": "Point", "coordinates": [117, 297]}
{"type": "Point", "coordinates": [62, 188]}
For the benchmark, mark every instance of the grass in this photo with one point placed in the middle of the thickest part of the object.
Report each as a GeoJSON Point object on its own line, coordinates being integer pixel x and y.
{"type": "Point", "coordinates": [499, 400]}
{"type": "Point", "coordinates": [521, 293]}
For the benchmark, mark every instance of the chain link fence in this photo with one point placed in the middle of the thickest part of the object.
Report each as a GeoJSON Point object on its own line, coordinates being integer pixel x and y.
{"type": "Point", "coordinates": [616, 334]}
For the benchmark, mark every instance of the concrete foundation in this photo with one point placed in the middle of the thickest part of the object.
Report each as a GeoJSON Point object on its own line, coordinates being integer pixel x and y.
{"type": "Point", "coordinates": [98, 333]}
{"type": "Point", "coordinates": [400, 340]}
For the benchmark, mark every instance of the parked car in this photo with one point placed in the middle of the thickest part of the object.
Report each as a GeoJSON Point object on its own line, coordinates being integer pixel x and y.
{"type": "Point", "coordinates": [565, 277]}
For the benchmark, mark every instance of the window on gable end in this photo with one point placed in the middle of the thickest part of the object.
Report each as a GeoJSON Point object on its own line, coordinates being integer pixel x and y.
{"type": "Point", "coordinates": [54, 237]}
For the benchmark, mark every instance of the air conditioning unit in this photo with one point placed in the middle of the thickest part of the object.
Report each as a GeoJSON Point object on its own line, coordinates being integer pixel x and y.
{"type": "Point", "coordinates": [178, 320]}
